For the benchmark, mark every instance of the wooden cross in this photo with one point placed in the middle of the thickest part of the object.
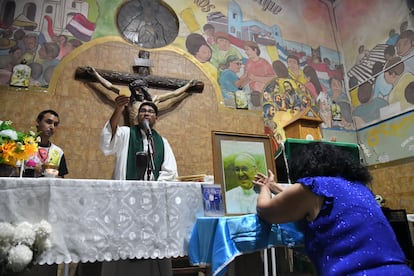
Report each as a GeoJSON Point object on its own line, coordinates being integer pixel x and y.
{"type": "Point", "coordinates": [141, 72]}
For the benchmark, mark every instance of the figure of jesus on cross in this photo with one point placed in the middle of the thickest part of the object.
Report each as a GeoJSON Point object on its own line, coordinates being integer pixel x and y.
{"type": "Point", "coordinates": [138, 92]}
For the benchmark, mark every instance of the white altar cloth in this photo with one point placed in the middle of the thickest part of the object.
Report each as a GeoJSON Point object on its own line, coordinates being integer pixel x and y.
{"type": "Point", "coordinates": [104, 220]}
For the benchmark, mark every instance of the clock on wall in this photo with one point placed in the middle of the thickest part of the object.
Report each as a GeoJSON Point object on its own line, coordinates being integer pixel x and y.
{"type": "Point", "coordinates": [147, 23]}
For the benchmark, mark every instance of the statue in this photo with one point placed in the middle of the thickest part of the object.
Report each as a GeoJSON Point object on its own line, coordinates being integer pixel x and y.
{"type": "Point", "coordinates": [138, 92]}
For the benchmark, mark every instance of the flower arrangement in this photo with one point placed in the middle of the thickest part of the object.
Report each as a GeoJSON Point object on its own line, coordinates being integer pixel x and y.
{"type": "Point", "coordinates": [15, 145]}
{"type": "Point", "coordinates": [22, 243]}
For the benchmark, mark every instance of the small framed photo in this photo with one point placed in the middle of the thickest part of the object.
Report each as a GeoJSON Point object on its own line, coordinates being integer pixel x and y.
{"type": "Point", "coordinates": [237, 158]}
{"type": "Point", "coordinates": [212, 200]}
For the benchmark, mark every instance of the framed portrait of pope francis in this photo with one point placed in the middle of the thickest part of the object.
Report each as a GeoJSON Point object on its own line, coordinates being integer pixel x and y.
{"type": "Point", "coordinates": [237, 158]}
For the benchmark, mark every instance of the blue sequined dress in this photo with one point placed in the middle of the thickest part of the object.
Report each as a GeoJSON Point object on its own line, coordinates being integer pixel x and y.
{"type": "Point", "coordinates": [351, 235]}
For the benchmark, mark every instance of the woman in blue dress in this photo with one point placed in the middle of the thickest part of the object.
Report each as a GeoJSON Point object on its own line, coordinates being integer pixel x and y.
{"type": "Point", "coordinates": [346, 232]}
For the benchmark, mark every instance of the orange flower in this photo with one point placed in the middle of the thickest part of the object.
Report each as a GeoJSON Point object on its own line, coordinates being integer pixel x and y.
{"type": "Point", "coordinates": [8, 151]}
{"type": "Point", "coordinates": [14, 145]}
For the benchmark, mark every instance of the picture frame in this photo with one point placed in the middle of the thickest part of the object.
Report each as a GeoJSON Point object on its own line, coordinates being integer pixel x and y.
{"type": "Point", "coordinates": [237, 157]}
{"type": "Point", "coordinates": [212, 200]}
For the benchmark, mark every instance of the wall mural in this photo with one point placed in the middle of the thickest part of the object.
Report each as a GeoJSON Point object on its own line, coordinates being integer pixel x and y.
{"type": "Point", "coordinates": [268, 56]}
{"type": "Point", "coordinates": [260, 65]}
{"type": "Point", "coordinates": [379, 55]}
{"type": "Point", "coordinates": [41, 34]}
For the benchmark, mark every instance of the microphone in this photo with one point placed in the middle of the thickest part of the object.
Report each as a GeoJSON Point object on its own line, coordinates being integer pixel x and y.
{"type": "Point", "coordinates": [141, 163]}
{"type": "Point", "coordinates": [147, 127]}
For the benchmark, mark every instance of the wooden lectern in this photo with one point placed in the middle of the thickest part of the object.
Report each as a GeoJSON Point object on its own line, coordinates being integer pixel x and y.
{"type": "Point", "coordinates": [305, 125]}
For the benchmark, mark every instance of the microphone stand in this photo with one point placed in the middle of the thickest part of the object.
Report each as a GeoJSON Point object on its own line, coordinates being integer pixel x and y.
{"type": "Point", "coordinates": [151, 165]}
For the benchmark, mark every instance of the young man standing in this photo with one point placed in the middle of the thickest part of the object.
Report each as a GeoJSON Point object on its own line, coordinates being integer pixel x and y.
{"type": "Point", "coordinates": [49, 156]}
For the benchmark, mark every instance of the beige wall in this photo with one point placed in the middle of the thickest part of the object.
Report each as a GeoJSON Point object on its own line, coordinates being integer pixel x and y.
{"type": "Point", "coordinates": [187, 127]}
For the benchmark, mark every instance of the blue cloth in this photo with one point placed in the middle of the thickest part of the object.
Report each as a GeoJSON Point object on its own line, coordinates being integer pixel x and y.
{"type": "Point", "coordinates": [351, 235]}
{"type": "Point", "coordinates": [218, 240]}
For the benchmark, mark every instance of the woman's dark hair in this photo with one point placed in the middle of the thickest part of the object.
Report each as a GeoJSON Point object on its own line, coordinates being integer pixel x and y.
{"type": "Point", "coordinates": [325, 159]}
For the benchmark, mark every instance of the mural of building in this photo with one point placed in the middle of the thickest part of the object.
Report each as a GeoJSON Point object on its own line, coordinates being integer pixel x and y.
{"type": "Point", "coordinates": [34, 15]}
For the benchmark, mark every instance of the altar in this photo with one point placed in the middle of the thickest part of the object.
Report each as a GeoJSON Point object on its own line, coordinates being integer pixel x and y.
{"type": "Point", "coordinates": [111, 220]}
{"type": "Point", "coordinates": [105, 220]}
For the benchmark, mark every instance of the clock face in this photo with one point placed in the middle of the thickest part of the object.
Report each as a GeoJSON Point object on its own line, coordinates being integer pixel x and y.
{"type": "Point", "coordinates": [147, 23]}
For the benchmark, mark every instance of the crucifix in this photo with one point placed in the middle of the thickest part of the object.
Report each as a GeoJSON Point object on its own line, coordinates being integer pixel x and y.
{"type": "Point", "coordinates": [138, 83]}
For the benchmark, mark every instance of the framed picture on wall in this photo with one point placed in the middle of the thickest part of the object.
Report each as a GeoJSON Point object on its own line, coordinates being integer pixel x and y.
{"type": "Point", "coordinates": [237, 157]}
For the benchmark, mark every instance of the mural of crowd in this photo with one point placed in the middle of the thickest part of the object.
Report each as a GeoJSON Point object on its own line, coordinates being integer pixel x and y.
{"type": "Point", "coordinates": [382, 80]}
{"type": "Point", "coordinates": [250, 77]}
{"type": "Point", "coordinates": [29, 34]}
{"type": "Point", "coordinates": [42, 56]}
{"type": "Point", "coordinates": [256, 69]}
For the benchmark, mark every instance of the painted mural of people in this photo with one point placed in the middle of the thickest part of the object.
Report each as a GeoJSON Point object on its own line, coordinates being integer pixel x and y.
{"type": "Point", "coordinates": [30, 43]}
{"type": "Point", "coordinates": [338, 98]}
{"type": "Point", "coordinates": [198, 47]}
{"type": "Point", "coordinates": [267, 97]}
{"type": "Point", "coordinates": [269, 111]}
{"type": "Point", "coordinates": [324, 105]}
{"type": "Point", "coordinates": [37, 70]}
{"type": "Point", "coordinates": [270, 129]}
{"type": "Point", "coordinates": [392, 37]}
{"type": "Point", "coordinates": [208, 33]}
{"type": "Point", "coordinates": [280, 69]}
{"type": "Point", "coordinates": [221, 50]}
{"type": "Point", "coordinates": [381, 86]}
{"type": "Point", "coordinates": [258, 69]}
{"type": "Point", "coordinates": [393, 70]}
{"type": "Point", "coordinates": [313, 85]}
{"type": "Point", "coordinates": [292, 99]}
{"type": "Point", "coordinates": [280, 102]}
{"type": "Point", "coordinates": [384, 83]}
{"type": "Point", "coordinates": [47, 56]}
{"type": "Point", "coordinates": [230, 82]}
{"type": "Point", "coordinates": [402, 92]}
{"type": "Point", "coordinates": [66, 45]}
{"type": "Point", "coordinates": [362, 54]}
{"type": "Point", "coordinates": [405, 49]}
{"type": "Point", "coordinates": [295, 72]}
{"type": "Point", "coordinates": [369, 109]}
{"type": "Point", "coordinates": [13, 58]}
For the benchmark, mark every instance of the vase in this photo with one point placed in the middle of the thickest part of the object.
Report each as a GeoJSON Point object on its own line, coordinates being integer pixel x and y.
{"type": "Point", "coordinates": [7, 170]}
